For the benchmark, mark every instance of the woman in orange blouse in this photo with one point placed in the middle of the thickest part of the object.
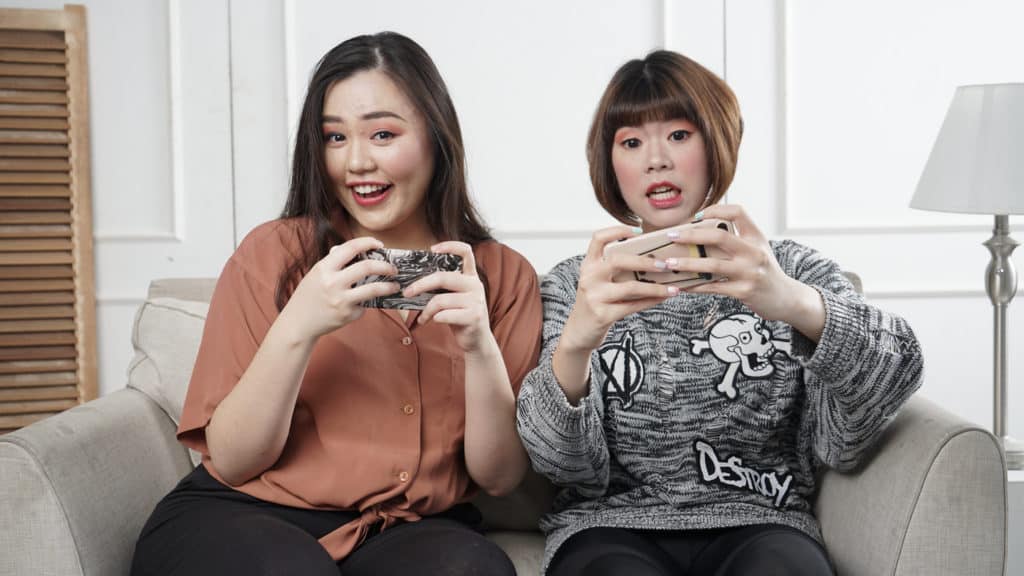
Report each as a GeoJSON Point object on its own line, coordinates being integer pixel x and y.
{"type": "Point", "coordinates": [337, 437]}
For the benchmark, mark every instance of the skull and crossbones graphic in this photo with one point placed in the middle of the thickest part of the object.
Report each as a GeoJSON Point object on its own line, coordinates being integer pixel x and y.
{"type": "Point", "coordinates": [744, 343]}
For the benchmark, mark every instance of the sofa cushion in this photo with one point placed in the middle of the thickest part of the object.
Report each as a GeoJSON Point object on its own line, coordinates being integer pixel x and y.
{"type": "Point", "coordinates": [198, 289]}
{"type": "Point", "coordinates": [166, 340]}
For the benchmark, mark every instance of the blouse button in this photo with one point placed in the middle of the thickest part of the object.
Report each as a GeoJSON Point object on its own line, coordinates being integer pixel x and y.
{"type": "Point", "coordinates": [407, 340]}
{"type": "Point", "coordinates": [408, 409]}
{"type": "Point", "coordinates": [403, 476]}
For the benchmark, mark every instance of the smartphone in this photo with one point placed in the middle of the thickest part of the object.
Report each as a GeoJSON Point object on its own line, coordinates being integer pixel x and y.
{"type": "Point", "coordinates": [657, 245]}
{"type": "Point", "coordinates": [412, 265]}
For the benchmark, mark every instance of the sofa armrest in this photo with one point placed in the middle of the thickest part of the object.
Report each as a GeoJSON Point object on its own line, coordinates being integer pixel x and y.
{"type": "Point", "coordinates": [932, 500]}
{"type": "Point", "coordinates": [77, 487]}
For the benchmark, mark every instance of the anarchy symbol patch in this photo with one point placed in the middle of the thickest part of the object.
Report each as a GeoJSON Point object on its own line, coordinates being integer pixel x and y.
{"type": "Point", "coordinates": [623, 370]}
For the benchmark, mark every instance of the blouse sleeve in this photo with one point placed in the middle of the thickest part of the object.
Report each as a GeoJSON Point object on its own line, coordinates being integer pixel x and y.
{"type": "Point", "coordinates": [515, 312]}
{"type": "Point", "coordinates": [241, 311]}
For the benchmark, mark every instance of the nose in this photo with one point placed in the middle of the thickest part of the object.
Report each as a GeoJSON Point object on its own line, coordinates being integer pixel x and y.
{"type": "Point", "coordinates": [657, 158]}
{"type": "Point", "coordinates": [359, 157]}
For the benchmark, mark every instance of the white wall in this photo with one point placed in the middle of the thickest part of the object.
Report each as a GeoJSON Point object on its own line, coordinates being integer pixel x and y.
{"type": "Point", "coordinates": [841, 102]}
{"type": "Point", "coordinates": [160, 113]}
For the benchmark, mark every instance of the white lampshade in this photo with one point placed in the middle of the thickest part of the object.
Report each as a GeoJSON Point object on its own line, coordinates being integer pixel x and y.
{"type": "Point", "coordinates": [977, 163]}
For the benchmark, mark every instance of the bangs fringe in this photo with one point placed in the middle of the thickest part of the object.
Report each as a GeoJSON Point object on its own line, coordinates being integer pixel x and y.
{"type": "Point", "coordinates": [645, 101]}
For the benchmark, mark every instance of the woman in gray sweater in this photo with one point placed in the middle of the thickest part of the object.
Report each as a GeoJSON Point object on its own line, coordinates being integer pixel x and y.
{"type": "Point", "coordinates": [685, 427]}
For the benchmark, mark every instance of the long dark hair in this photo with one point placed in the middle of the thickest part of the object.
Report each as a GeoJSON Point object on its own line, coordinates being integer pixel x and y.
{"type": "Point", "coordinates": [450, 213]}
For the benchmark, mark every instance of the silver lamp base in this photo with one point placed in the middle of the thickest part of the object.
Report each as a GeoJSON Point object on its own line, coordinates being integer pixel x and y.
{"type": "Point", "coordinates": [1001, 285]}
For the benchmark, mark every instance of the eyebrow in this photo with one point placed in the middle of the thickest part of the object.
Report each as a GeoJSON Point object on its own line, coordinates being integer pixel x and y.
{"type": "Point", "coordinates": [328, 119]}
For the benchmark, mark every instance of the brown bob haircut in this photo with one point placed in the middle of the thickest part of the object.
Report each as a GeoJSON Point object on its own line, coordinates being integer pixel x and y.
{"type": "Point", "coordinates": [664, 86]}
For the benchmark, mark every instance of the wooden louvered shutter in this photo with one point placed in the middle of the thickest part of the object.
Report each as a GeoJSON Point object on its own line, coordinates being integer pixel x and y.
{"type": "Point", "coordinates": [47, 304]}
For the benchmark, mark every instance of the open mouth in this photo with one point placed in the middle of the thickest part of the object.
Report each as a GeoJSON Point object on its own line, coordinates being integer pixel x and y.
{"type": "Point", "coordinates": [371, 191]}
{"type": "Point", "coordinates": [367, 194]}
{"type": "Point", "coordinates": [663, 192]}
{"type": "Point", "coordinates": [664, 195]}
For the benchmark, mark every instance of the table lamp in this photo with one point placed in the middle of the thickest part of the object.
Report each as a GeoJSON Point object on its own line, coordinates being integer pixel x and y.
{"type": "Point", "coordinates": [977, 167]}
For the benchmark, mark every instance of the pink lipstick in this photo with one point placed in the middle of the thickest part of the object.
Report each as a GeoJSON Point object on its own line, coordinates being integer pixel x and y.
{"type": "Point", "coordinates": [663, 195]}
{"type": "Point", "coordinates": [369, 193]}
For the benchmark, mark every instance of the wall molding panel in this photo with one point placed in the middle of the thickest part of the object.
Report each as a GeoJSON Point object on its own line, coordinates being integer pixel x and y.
{"type": "Point", "coordinates": [195, 150]}
{"type": "Point", "coordinates": [261, 149]}
{"type": "Point", "coordinates": [193, 192]}
{"type": "Point", "coordinates": [177, 159]}
{"type": "Point", "coordinates": [929, 267]}
{"type": "Point", "coordinates": [136, 237]}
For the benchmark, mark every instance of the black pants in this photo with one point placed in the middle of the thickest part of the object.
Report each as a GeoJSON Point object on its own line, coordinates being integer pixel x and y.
{"type": "Point", "coordinates": [764, 550]}
{"type": "Point", "coordinates": [204, 527]}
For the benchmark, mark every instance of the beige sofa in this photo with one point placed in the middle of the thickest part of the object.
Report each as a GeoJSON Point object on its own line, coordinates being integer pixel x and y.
{"type": "Point", "coordinates": [76, 488]}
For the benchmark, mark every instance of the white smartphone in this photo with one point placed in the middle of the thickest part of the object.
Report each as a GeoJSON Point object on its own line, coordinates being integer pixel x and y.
{"type": "Point", "coordinates": [657, 245]}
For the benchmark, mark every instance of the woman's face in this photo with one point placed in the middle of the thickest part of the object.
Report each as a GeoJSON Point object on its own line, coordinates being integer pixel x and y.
{"type": "Point", "coordinates": [662, 171]}
{"type": "Point", "coordinates": [379, 157]}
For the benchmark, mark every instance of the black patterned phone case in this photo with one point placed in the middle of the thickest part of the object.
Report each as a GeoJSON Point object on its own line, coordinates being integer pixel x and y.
{"type": "Point", "coordinates": [412, 265]}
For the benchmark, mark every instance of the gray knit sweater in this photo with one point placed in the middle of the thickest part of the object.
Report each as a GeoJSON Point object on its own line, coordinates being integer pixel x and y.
{"type": "Point", "coordinates": [702, 415]}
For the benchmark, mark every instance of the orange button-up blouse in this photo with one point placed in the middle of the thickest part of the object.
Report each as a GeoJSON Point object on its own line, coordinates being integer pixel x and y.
{"type": "Point", "coordinates": [379, 421]}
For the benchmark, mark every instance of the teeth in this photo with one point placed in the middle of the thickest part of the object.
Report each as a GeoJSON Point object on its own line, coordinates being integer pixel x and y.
{"type": "Point", "coordinates": [662, 193]}
{"type": "Point", "coordinates": [366, 190]}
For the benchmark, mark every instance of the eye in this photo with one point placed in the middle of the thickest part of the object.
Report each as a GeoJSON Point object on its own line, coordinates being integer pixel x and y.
{"type": "Point", "coordinates": [679, 135]}
{"type": "Point", "coordinates": [334, 138]}
{"type": "Point", "coordinates": [757, 327]}
{"type": "Point", "coordinates": [631, 143]}
{"type": "Point", "coordinates": [745, 338]}
{"type": "Point", "coordinates": [383, 135]}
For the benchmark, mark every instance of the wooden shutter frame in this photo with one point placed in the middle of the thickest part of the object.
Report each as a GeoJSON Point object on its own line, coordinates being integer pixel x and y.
{"type": "Point", "coordinates": [72, 22]}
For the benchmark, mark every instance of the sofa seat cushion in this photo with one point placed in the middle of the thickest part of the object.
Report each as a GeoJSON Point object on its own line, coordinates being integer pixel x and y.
{"type": "Point", "coordinates": [525, 549]}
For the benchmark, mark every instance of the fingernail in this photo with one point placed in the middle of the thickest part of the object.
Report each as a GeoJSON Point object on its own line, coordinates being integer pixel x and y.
{"type": "Point", "coordinates": [672, 290]}
{"type": "Point", "coordinates": [672, 234]}
{"type": "Point", "coordinates": [660, 264]}
{"type": "Point", "coordinates": [698, 216]}
{"type": "Point", "coordinates": [671, 262]}
{"type": "Point", "coordinates": [638, 230]}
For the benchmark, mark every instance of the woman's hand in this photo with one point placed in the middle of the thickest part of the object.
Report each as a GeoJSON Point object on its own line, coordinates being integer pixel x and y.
{"type": "Point", "coordinates": [463, 307]}
{"type": "Point", "coordinates": [494, 455]}
{"type": "Point", "coordinates": [326, 298]}
{"type": "Point", "coordinates": [751, 273]}
{"type": "Point", "coordinates": [600, 301]}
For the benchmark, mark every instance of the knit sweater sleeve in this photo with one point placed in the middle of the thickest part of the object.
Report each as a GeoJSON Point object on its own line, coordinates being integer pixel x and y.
{"type": "Point", "coordinates": [865, 366]}
{"type": "Point", "coordinates": [565, 443]}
